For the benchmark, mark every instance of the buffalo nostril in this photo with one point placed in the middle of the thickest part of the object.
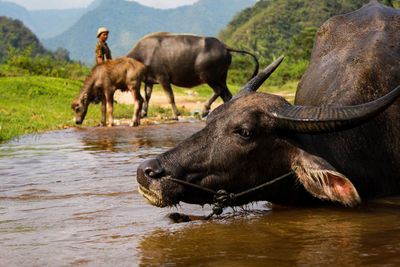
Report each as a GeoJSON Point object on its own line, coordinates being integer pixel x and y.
{"type": "Point", "coordinates": [151, 168]}
{"type": "Point", "coordinates": [151, 173]}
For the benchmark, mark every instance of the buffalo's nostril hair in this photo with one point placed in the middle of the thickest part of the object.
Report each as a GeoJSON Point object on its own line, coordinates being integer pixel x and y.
{"type": "Point", "coordinates": [151, 168]}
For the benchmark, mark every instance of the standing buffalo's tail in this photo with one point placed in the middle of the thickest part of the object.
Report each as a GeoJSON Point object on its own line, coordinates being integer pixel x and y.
{"type": "Point", "coordinates": [246, 52]}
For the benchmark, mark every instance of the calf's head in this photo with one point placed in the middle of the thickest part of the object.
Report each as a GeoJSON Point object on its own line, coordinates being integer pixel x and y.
{"type": "Point", "coordinates": [80, 107]}
{"type": "Point", "coordinates": [249, 141]}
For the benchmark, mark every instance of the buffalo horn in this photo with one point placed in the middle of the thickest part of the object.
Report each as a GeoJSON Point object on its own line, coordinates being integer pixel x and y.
{"type": "Point", "coordinates": [325, 119]}
{"type": "Point", "coordinates": [256, 82]}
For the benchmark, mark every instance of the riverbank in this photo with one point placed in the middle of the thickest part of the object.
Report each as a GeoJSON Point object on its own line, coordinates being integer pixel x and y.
{"type": "Point", "coordinates": [34, 104]}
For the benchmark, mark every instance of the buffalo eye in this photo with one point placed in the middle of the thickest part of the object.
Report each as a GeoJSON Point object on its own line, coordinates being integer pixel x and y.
{"type": "Point", "coordinates": [243, 133]}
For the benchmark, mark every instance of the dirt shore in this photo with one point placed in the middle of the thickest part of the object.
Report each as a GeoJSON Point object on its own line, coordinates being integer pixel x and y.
{"type": "Point", "coordinates": [190, 102]}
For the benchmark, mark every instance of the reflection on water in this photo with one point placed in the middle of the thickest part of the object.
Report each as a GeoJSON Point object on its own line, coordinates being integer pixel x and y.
{"type": "Point", "coordinates": [70, 197]}
{"type": "Point", "coordinates": [302, 236]}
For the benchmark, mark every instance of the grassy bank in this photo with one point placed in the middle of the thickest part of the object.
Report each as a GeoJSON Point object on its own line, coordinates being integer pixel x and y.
{"type": "Point", "coordinates": [31, 104]}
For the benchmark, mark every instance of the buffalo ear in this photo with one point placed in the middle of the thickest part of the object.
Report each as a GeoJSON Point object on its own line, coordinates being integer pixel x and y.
{"type": "Point", "coordinates": [322, 180]}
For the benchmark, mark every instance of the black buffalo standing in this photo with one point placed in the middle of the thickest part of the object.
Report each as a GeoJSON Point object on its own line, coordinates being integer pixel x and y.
{"type": "Point", "coordinates": [185, 60]}
{"type": "Point", "coordinates": [340, 142]}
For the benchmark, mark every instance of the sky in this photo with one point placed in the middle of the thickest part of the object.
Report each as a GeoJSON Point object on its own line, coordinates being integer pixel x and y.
{"type": "Point", "coordinates": [65, 4]}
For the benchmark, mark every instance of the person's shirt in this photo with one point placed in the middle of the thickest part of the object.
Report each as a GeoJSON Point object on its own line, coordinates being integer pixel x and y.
{"type": "Point", "coordinates": [102, 51]}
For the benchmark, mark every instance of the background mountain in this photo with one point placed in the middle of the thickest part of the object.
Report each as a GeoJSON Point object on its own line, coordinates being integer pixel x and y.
{"type": "Point", "coordinates": [13, 32]}
{"type": "Point", "coordinates": [50, 23]}
{"type": "Point", "coordinates": [130, 21]}
{"type": "Point", "coordinates": [271, 28]}
{"type": "Point", "coordinates": [45, 23]}
{"type": "Point", "coordinates": [15, 11]}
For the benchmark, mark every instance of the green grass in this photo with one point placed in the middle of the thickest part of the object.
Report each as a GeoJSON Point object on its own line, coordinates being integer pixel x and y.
{"type": "Point", "coordinates": [287, 90]}
{"type": "Point", "coordinates": [32, 104]}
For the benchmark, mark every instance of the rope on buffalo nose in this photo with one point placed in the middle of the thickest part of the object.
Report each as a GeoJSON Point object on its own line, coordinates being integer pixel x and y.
{"type": "Point", "coordinates": [222, 198]}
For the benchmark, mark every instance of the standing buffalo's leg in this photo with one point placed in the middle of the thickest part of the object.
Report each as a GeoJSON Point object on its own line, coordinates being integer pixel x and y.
{"type": "Point", "coordinates": [221, 90]}
{"type": "Point", "coordinates": [137, 98]}
{"type": "Point", "coordinates": [226, 94]}
{"type": "Point", "coordinates": [103, 111]}
{"type": "Point", "coordinates": [168, 91]}
{"type": "Point", "coordinates": [110, 105]}
{"type": "Point", "coordinates": [218, 84]}
{"type": "Point", "coordinates": [148, 88]}
{"type": "Point", "coordinates": [207, 105]}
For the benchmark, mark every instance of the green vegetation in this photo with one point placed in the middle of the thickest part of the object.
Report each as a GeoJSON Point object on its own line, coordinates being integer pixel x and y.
{"type": "Point", "coordinates": [31, 104]}
{"type": "Point", "coordinates": [15, 36]}
{"type": "Point", "coordinates": [22, 53]}
{"type": "Point", "coordinates": [274, 27]}
{"type": "Point", "coordinates": [392, 3]}
{"type": "Point", "coordinates": [14, 33]}
{"type": "Point", "coordinates": [23, 62]}
{"type": "Point", "coordinates": [269, 27]}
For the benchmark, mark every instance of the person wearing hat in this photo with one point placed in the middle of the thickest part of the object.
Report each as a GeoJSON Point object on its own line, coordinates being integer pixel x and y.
{"type": "Point", "coordinates": [102, 51]}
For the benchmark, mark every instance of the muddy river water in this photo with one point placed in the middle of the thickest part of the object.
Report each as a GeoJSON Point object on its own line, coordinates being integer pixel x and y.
{"type": "Point", "coordinates": [70, 197]}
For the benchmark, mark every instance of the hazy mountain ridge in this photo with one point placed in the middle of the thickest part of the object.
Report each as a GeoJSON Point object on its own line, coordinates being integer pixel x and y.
{"type": "Point", "coordinates": [15, 11]}
{"type": "Point", "coordinates": [60, 21]}
{"type": "Point", "coordinates": [43, 23]}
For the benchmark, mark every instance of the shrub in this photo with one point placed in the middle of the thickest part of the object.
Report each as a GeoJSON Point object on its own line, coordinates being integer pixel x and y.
{"type": "Point", "coordinates": [44, 64]}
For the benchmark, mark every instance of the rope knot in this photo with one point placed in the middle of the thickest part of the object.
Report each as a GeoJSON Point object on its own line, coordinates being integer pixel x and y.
{"type": "Point", "coordinates": [222, 199]}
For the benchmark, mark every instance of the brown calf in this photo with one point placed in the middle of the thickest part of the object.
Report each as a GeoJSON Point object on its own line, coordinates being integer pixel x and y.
{"type": "Point", "coordinates": [121, 73]}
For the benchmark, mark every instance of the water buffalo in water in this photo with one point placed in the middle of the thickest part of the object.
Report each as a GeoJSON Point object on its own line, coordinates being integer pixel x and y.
{"type": "Point", "coordinates": [339, 142]}
{"type": "Point", "coordinates": [185, 60]}
{"type": "Point", "coordinates": [121, 73]}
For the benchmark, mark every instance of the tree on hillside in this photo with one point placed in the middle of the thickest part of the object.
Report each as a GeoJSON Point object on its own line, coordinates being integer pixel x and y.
{"type": "Point", "coordinates": [302, 44]}
{"type": "Point", "coordinates": [61, 54]}
{"type": "Point", "coordinates": [272, 28]}
{"type": "Point", "coordinates": [15, 38]}
{"type": "Point", "coordinates": [14, 33]}
{"type": "Point", "coordinates": [268, 28]}
{"type": "Point", "coordinates": [392, 3]}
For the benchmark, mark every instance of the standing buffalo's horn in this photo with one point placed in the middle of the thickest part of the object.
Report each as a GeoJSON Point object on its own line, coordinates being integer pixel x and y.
{"type": "Point", "coordinates": [324, 119]}
{"type": "Point", "coordinates": [256, 82]}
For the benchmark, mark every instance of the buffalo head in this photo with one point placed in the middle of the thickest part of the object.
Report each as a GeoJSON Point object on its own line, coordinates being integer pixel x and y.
{"type": "Point", "coordinates": [250, 140]}
{"type": "Point", "coordinates": [80, 107]}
